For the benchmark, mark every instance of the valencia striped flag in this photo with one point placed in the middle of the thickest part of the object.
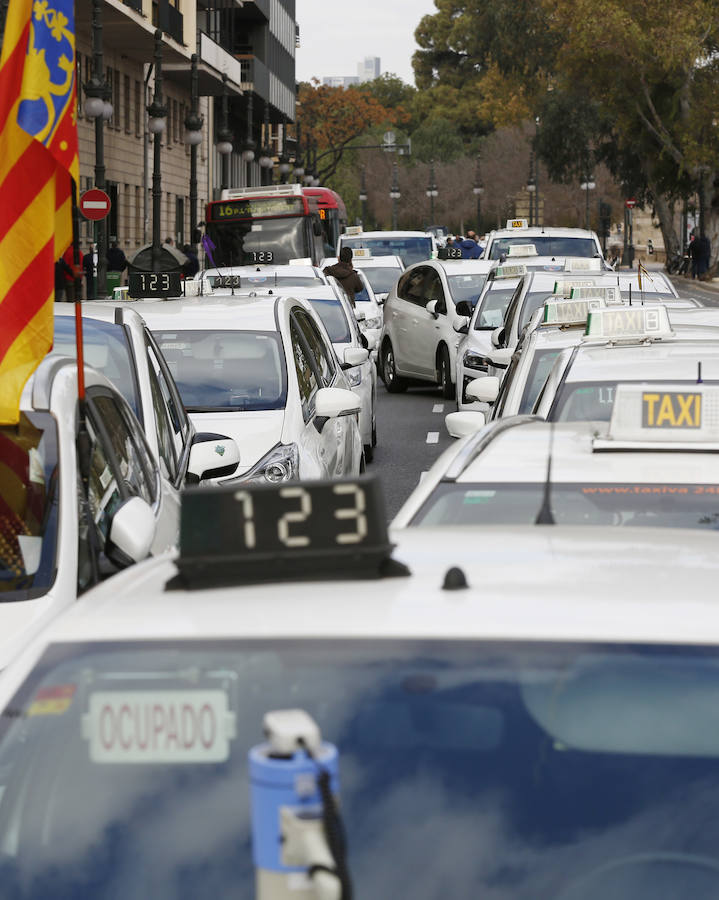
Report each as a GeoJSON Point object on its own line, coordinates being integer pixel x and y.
{"type": "Point", "coordinates": [38, 159]}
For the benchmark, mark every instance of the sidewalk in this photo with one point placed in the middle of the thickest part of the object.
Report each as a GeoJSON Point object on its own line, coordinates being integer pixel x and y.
{"type": "Point", "coordinates": [679, 281]}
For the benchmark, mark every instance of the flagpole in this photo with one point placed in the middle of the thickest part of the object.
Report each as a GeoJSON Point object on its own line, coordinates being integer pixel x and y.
{"type": "Point", "coordinates": [78, 302]}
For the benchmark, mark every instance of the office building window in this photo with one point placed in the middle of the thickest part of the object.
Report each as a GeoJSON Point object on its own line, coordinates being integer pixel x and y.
{"type": "Point", "coordinates": [126, 110]}
{"type": "Point", "coordinates": [138, 108]}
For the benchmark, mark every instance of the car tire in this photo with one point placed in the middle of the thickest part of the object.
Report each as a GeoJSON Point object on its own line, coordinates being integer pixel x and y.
{"type": "Point", "coordinates": [393, 383]}
{"type": "Point", "coordinates": [363, 464]}
{"type": "Point", "coordinates": [444, 374]}
{"type": "Point", "coordinates": [368, 453]}
{"type": "Point", "coordinates": [374, 434]}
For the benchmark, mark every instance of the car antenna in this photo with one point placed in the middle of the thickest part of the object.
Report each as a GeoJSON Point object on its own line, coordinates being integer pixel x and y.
{"type": "Point", "coordinates": [630, 293]}
{"type": "Point", "coordinates": [544, 516]}
{"type": "Point", "coordinates": [700, 380]}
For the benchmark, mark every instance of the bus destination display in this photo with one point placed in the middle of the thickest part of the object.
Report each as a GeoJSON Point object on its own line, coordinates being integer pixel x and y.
{"type": "Point", "coordinates": [261, 207]}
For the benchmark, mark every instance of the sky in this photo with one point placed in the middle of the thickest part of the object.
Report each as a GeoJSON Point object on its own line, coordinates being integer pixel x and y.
{"type": "Point", "coordinates": [334, 37]}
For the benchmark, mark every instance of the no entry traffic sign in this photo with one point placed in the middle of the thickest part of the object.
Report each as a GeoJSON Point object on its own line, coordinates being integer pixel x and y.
{"type": "Point", "coordinates": [94, 204]}
{"type": "Point", "coordinates": [630, 203]}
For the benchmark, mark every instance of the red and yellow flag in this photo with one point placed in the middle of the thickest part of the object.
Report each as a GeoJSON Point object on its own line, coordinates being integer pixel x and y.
{"type": "Point", "coordinates": [38, 159]}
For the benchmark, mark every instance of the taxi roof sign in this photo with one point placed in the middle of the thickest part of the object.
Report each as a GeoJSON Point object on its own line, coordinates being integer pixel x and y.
{"type": "Point", "coordinates": [583, 264]}
{"type": "Point", "coordinates": [570, 312]}
{"type": "Point", "coordinates": [564, 288]}
{"type": "Point", "coordinates": [608, 294]}
{"type": "Point", "coordinates": [660, 414]}
{"type": "Point", "coordinates": [642, 323]}
{"type": "Point", "coordinates": [522, 250]}
{"type": "Point", "coordinates": [517, 223]}
{"type": "Point", "coordinates": [353, 229]}
{"type": "Point", "coordinates": [515, 271]}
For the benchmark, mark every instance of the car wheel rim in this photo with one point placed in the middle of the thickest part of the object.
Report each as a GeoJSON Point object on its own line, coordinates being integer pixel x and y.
{"type": "Point", "coordinates": [388, 366]}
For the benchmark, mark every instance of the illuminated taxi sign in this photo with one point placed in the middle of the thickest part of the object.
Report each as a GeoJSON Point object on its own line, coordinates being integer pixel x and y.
{"type": "Point", "coordinates": [255, 208]}
{"type": "Point", "coordinates": [522, 250]}
{"type": "Point", "coordinates": [517, 223]}
{"type": "Point", "coordinates": [583, 264]}
{"type": "Point", "coordinates": [362, 253]}
{"type": "Point", "coordinates": [250, 533]}
{"type": "Point", "coordinates": [644, 323]}
{"type": "Point", "coordinates": [570, 312]}
{"type": "Point", "coordinates": [564, 288]}
{"type": "Point", "coordinates": [665, 413]}
{"type": "Point", "coordinates": [515, 271]}
{"type": "Point", "coordinates": [154, 284]}
{"type": "Point", "coordinates": [608, 294]}
{"type": "Point", "coordinates": [353, 229]}
{"type": "Point", "coordinates": [225, 281]}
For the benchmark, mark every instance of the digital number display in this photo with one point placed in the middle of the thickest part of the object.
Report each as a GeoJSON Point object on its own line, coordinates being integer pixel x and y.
{"type": "Point", "coordinates": [225, 281]}
{"type": "Point", "coordinates": [261, 256]}
{"type": "Point", "coordinates": [289, 530]}
{"type": "Point", "coordinates": [449, 253]}
{"type": "Point", "coordinates": [257, 208]}
{"type": "Point", "coordinates": [154, 284]}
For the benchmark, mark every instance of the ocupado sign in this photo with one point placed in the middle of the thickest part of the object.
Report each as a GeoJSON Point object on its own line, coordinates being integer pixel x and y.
{"type": "Point", "coordinates": [159, 727]}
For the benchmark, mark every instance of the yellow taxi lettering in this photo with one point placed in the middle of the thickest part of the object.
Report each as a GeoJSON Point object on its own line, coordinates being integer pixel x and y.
{"type": "Point", "coordinates": [671, 410]}
{"type": "Point", "coordinates": [649, 401]}
{"type": "Point", "coordinates": [685, 409]}
{"type": "Point", "coordinates": [666, 411]}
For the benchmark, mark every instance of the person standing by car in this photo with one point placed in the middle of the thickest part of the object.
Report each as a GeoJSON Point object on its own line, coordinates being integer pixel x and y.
{"type": "Point", "coordinates": [346, 274]}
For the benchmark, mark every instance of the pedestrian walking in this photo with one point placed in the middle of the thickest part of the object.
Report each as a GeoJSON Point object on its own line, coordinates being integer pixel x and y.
{"type": "Point", "coordinates": [89, 264]}
{"type": "Point", "coordinates": [470, 249]}
{"type": "Point", "coordinates": [192, 266]}
{"type": "Point", "coordinates": [116, 260]}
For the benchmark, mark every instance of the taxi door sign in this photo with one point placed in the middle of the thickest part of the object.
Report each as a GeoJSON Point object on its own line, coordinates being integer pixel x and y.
{"type": "Point", "coordinates": [131, 727]}
{"type": "Point", "coordinates": [671, 409]}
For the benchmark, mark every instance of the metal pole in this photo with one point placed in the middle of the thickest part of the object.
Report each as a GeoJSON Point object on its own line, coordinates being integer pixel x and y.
{"type": "Point", "coordinates": [394, 194]}
{"type": "Point", "coordinates": [225, 129]}
{"type": "Point", "coordinates": [363, 197]}
{"type": "Point", "coordinates": [157, 110]}
{"type": "Point", "coordinates": [98, 76]}
{"type": "Point", "coordinates": [193, 120]}
{"type": "Point", "coordinates": [536, 191]}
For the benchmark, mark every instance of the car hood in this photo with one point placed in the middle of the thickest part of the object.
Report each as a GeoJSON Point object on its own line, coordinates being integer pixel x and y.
{"type": "Point", "coordinates": [255, 432]}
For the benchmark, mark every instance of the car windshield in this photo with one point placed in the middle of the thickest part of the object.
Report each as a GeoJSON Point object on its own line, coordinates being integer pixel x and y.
{"type": "Point", "coordinates": [547, 246]}
{"type": "Point", "coordinates": [106, 348]}
{"type": "Point", "coordinates": [409, 249]}
{"type": "Point", "coordinates": [518, 503]}
{"type": "Point", "coordinates": [541, 365]}
{"type": "Point", "coordinates": [238, 243]}
{"type": "Point", "coordinates": [28, 507]}
{"type": "Point", "coordinates": [381, 278]}
{"type": "Point", "coordinates": [226, 370]}
{"type": "Point", "coordinates": [467, 287]}
{"type": "Point", "coordinates": [514, 771]}
{"type": "Point", "coordinates": [494, 306]}
{"type": "Point", "coordinates": [334, 319]}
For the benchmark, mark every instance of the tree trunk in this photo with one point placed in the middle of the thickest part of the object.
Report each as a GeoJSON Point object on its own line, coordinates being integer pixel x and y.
{"type": "Point", "coordinates": [664, 211]}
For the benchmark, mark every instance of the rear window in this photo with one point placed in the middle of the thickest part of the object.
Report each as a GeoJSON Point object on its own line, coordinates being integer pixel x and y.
{"type": "Point", "coordinates": [409, 249]}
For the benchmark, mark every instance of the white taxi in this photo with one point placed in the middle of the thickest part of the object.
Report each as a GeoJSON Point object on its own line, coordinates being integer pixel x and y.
{"type": "Point", "coordinates": [653, 464]}
{"type": "Point", "coordinates": [56, 537]}
{"type": "Point", "coordinates": [538, 240]}
{"type": "Point", "coordinates": [624, 344]}
{"type": "Point", "coordinates": [262, 370]}
{"type": "Point", "coordinates": [422, 317]}
{"type": "Point", "coordinates": [516, 706]}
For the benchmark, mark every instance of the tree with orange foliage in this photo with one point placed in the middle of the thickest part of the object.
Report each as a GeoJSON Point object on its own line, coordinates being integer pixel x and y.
{"type": "Point", "coordinates": [334, 117]}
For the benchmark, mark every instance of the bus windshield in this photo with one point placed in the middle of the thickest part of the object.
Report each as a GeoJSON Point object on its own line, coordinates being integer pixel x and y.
{"type": "Point", "coordinates": [245, 242]}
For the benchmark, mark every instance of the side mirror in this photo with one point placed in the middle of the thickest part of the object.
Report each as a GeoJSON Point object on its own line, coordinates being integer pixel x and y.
{"type": "Point", "coordinates": [132, 532]}
{"type": "Point", "coordinates": [212, 456]}
{"type": "Point", "coordinates": [498, 336]}
{"type": "Point", "coordinates": [431, 308]}
{"type": "Point", "coordinates": [501, 358]}
{"type": "Point", "coordinates": [380, 298]}
{"type": "Point", "coordinates": [483, 389]}
{"type": "Point", "coordinates": [331, 403]}
{"type": "Point", "coordinates": [360, 315]}
{"type": "Point", "coordinates": [461, 324]}
{"type": "Point", "coordinates": [460, 424]}
{"type": "Point", "coordinates": [354, 356]}
{"type": "Point", "coordinates": [317, 228]}
{"type": "Point", "coordinates": [464, 308]}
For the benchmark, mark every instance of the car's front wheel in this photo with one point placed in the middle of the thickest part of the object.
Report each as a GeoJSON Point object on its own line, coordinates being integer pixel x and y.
{"type": "Point", "coordinates": [392, 381]}
{"type": "Point", "coordinates": [444, 374]}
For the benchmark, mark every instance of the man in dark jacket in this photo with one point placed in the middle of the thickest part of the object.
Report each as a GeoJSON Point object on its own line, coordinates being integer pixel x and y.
{"type": "Point", "coordinates": [116, 261]}
{"type": "Point", "coordinates": [346, 274]}
{"type": "Point", "coordinates": [470, 249]}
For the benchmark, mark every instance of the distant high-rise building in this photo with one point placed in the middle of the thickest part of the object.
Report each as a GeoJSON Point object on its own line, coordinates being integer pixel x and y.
{"type": "Point", "coordinates": [369, 68]}
{"type": "Point", "coordinates": [343, 81]}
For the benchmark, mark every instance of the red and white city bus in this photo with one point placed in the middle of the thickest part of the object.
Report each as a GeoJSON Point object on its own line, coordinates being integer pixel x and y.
{"type": "Point", "coordinates": [272, 224]}
{"type": "Point", "coordinates": [332, 214]}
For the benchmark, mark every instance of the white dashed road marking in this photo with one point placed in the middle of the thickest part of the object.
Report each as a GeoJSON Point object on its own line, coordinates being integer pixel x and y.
{"type": "Point", "coordinates": [438, 407]}
{"type": "Point", "coordinates": [432, 437]}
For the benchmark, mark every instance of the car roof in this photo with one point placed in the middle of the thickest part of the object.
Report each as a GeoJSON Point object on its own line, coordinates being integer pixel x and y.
{"type": "Point", "coordinates": [518, 453]}
{"type": "Point", "coordinates": [104, 310]}
{"type": "Point", "coordinates": [542, 231]}
{"type": "Point", "coordinates": [522, 586]}
{"type": "Point", "coordinates": [385, 262]}
{"type": "Point", "coordinates": [465, 266]}
{"type": "Point", "coordinates": [385, 234]}
{"type": "Point", "coordinates": [212, 313]}
{"type": "Point", "coordinates": [268, 270]}
{"type": "Point", "coordinates": [671, 359]}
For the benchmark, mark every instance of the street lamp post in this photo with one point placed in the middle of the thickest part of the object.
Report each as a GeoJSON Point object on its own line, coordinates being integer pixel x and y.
{"type": "Point", "coordinates": [248, 150]}
{"type": "Point", "coordinates": [224, 137]}
{"type": "Point", "coordinates": [431, 191]}
{"type": "Point", "coordinates": [266, 162]}
{"type": "Point", "coordinates": [99, 108]}
{"type": "Point", "coordinates": [156, 124]}
{"type": "Point", "coordinates": [532, 188]}
{"type": "Point", "coordinates": [478, 190]}
{"type": "Point", "coordinates": [394, 194]}
{"type": "Point", "coordinates": [363, 197]}
{"type": "Point", "coordinates": [587, 185]}
{"type": "Point", "coordinates": [193, 136]}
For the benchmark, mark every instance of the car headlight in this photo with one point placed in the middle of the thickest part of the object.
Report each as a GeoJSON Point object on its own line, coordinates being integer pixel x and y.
{"type": "Point", "coordinates": [282, 463]}
{"type": "Point", "coordinates": [473, 360]}
{"type": "Point", "coordinates": [371, 324]}
{"type": "Point", "coordinates": [354, 376]}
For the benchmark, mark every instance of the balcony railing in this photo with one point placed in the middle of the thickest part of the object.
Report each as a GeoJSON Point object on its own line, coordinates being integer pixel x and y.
{"type": "Point", "coordinates": [169, 20]}
{"type": "Point", "coordinates": [256, 73]}
{"type": "Point", "coordinates": [134, 4]}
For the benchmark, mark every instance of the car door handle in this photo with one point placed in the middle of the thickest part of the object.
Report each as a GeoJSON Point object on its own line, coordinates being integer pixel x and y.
{"type": "Point", "coordinates": [415, 321]}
